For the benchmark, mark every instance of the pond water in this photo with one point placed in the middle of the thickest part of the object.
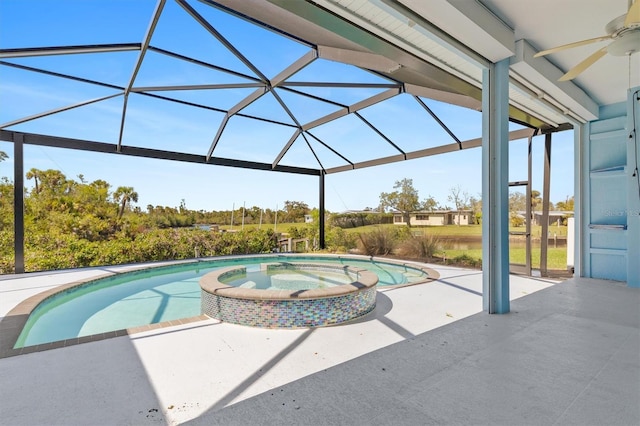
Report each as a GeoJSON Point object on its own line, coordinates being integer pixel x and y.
{"type": "Point", "coordinates": [464, 244]}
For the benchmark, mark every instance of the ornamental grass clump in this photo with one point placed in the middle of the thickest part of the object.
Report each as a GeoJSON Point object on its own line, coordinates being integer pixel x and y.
{"type": "Point", "coordinates": [379, 242]}
{"type": "Point", "coordinates": [420, 247]}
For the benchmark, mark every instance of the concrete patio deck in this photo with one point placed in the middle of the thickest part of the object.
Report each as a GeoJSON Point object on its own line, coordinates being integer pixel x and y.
{"type": "Point", "coordinates": [567, 354]}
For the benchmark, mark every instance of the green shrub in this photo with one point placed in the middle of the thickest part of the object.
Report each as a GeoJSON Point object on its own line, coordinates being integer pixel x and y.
{"type": "Point", "coordinates": [337, 240]}
{"type": "Point", "coordinates": [466, 260]}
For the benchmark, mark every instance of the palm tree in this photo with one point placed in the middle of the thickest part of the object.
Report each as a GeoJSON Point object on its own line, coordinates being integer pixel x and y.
{"type": "Point", "coordinates": [3, 156]}
{"type": "Point", "coordinates": [35, 175]}
{"type": "Point", "coordinates": [535, 201]}
{"type": "Point", "coordinates": [123, 195]}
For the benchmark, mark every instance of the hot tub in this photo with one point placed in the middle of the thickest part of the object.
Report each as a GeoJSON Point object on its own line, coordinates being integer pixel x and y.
{"type": "Point", "coordinates": [282, 295]}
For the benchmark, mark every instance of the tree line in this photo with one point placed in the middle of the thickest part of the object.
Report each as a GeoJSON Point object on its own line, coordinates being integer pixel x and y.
{"type": "Point", "coordinates": [405, 199]}
{"type": "Point", "coordinates": [73, 223]}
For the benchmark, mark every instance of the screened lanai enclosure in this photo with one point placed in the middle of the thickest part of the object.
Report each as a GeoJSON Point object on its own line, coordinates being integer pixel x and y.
{"type": "Point", "coordinates": [278, 86]}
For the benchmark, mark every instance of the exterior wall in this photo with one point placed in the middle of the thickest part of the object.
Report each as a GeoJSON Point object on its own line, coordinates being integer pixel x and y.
{"type": "Point", "coordinates": [434, 218]}
{"type": "Point", "coordinates": [611, 214]}
{"type": "Point", "coordinates": [633, 191]}
{"type": "Point", "coordinates": [430, 219]}
{"type": "Point", "coordinates": [464, 218]}
{"type": "Point", "coordinates": [554, 218]}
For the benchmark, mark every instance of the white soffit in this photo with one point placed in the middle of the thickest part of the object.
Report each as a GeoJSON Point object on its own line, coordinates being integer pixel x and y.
{"type": "Point", "coordinates": [474, 25]}
{"type": "Point", "coordinates": [542, 76]}
{"type": "Point", "coordinates": [527, 101]}
{"type": "Point", "coordinates": [388, 24]}
{"type": "Point", "coordinates": [469, 22]}
{"type": "Point", "coordinates": [535, 89]}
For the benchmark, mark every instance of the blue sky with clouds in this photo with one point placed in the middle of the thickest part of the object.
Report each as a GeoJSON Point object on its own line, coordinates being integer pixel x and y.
{"type": "Point", "coordinates": [158, 124]}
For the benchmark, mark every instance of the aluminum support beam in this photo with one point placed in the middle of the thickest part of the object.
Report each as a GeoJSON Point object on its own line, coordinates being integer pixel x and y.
{"type": "Point", "coordinates": [181, 102]}
{"type": "Point", "coordinates": [383, 96]}
{"type": "Point", "coordinates": [360, 59]}
{"type": "Point", "coordinates": [327, 118]}
{"type": "Point", "coordinates": [546, 186]}
{"type": "Point", "coordinates": [65, 76]}
{"type": "Point", "coordinates": [495, 188]}
{"type": "Point", "coordinates": [294, 68]}
{"type": "Point", "coordinates": [203, 64]}
{"type": "Point", "coordinates": [253, 96]}
{"type": "Point", "coordinates": [286, 108]}
{"type": "Point", "coordinates": [309, 95]}
{"type": "Point", "coordinates": [223, 124]}
{"type": "Point", "coordinates": [435, 117]}
{"type": "Point", "coordinates": [329, 148]}
{"type": "Point", "coordinates": [339, 27]}
{"type": "Point", "coordinates": [134, 151]}
{"type": "Point", "coordinates": [428, 152]}
{"type": "Point", "coordinates": [284, 150]}
{"type": "Point", "coordinates": [230, 47]}
{"type": "Point", "coordinates": [18, 203]}
{"type": "Point", "coordinates": [313, 152]}
{"type": "Point", "coordinates": [321, 213]}
{"type": "Point", "coordinates": [382, 135]}
{"type": "Point", "coordinates": [336, 85]}
{"type": "Point", "coordinates": [353, 108]}
{"type": "Point", "coordinates": [234, 110]}
{"type": "Point", "coordinates": [67, 50]}
{"type": "Point", "coordinates": [197, 87]}
{"type": "Point", "coordinates": [143, 50]}
{"type": "Point", "coordinates": [57, 110]}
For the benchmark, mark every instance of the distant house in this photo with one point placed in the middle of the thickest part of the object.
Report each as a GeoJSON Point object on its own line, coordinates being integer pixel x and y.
{"type": "Point", "coordinates": [435, 218]}
{"type": "Point", "coordinates": [308, 218]}
{"type": "Point", "coordinates": [555, 217]}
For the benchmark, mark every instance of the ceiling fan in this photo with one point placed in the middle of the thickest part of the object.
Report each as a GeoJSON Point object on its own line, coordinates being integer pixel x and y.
{"type": "Point", "coordinates": [625, 33]}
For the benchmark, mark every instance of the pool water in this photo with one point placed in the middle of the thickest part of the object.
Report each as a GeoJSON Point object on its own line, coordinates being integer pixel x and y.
{"type": "Point", "coordinates": [289, 280]}
{"type": "Point", "coordinates": [159, 294]}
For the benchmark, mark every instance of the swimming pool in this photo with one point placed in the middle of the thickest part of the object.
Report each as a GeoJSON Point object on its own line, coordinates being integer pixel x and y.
{"type": "Point", "coordinates": [160, 294]}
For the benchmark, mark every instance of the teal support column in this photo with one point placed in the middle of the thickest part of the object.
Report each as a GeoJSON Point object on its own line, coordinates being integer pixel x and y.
{"type": "Point", "coordinates": [495, 188]}
{"type": "Point", "coordinates": [580, 197]}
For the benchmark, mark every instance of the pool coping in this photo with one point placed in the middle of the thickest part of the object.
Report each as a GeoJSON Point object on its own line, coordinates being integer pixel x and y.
{"type": "Point", "coordinates": [13, 322]}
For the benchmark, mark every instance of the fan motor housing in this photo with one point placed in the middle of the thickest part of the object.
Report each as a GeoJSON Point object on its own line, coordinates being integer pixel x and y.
{"type": "Point", "coordinates": [627, 43]}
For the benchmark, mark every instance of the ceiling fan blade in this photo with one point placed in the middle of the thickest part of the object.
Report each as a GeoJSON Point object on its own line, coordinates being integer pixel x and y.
{"type": "Point", "coordinates": [575, 71]}
{"type": "Point", "coordinates": [633, 15]}
{"type": "Point", "coordinates": [571, 45]}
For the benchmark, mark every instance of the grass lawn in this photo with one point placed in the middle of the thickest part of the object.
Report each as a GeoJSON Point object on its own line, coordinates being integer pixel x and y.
{"type": "Point", "coordinates": [445, 231]}
{"type": "Point", "coordinates": [556, 256]}
{"type": "Point", "coordinates": [462, 231]}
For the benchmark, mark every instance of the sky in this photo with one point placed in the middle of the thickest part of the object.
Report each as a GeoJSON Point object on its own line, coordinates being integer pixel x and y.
{"type": "Point", "coordinates": [161, 125]}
